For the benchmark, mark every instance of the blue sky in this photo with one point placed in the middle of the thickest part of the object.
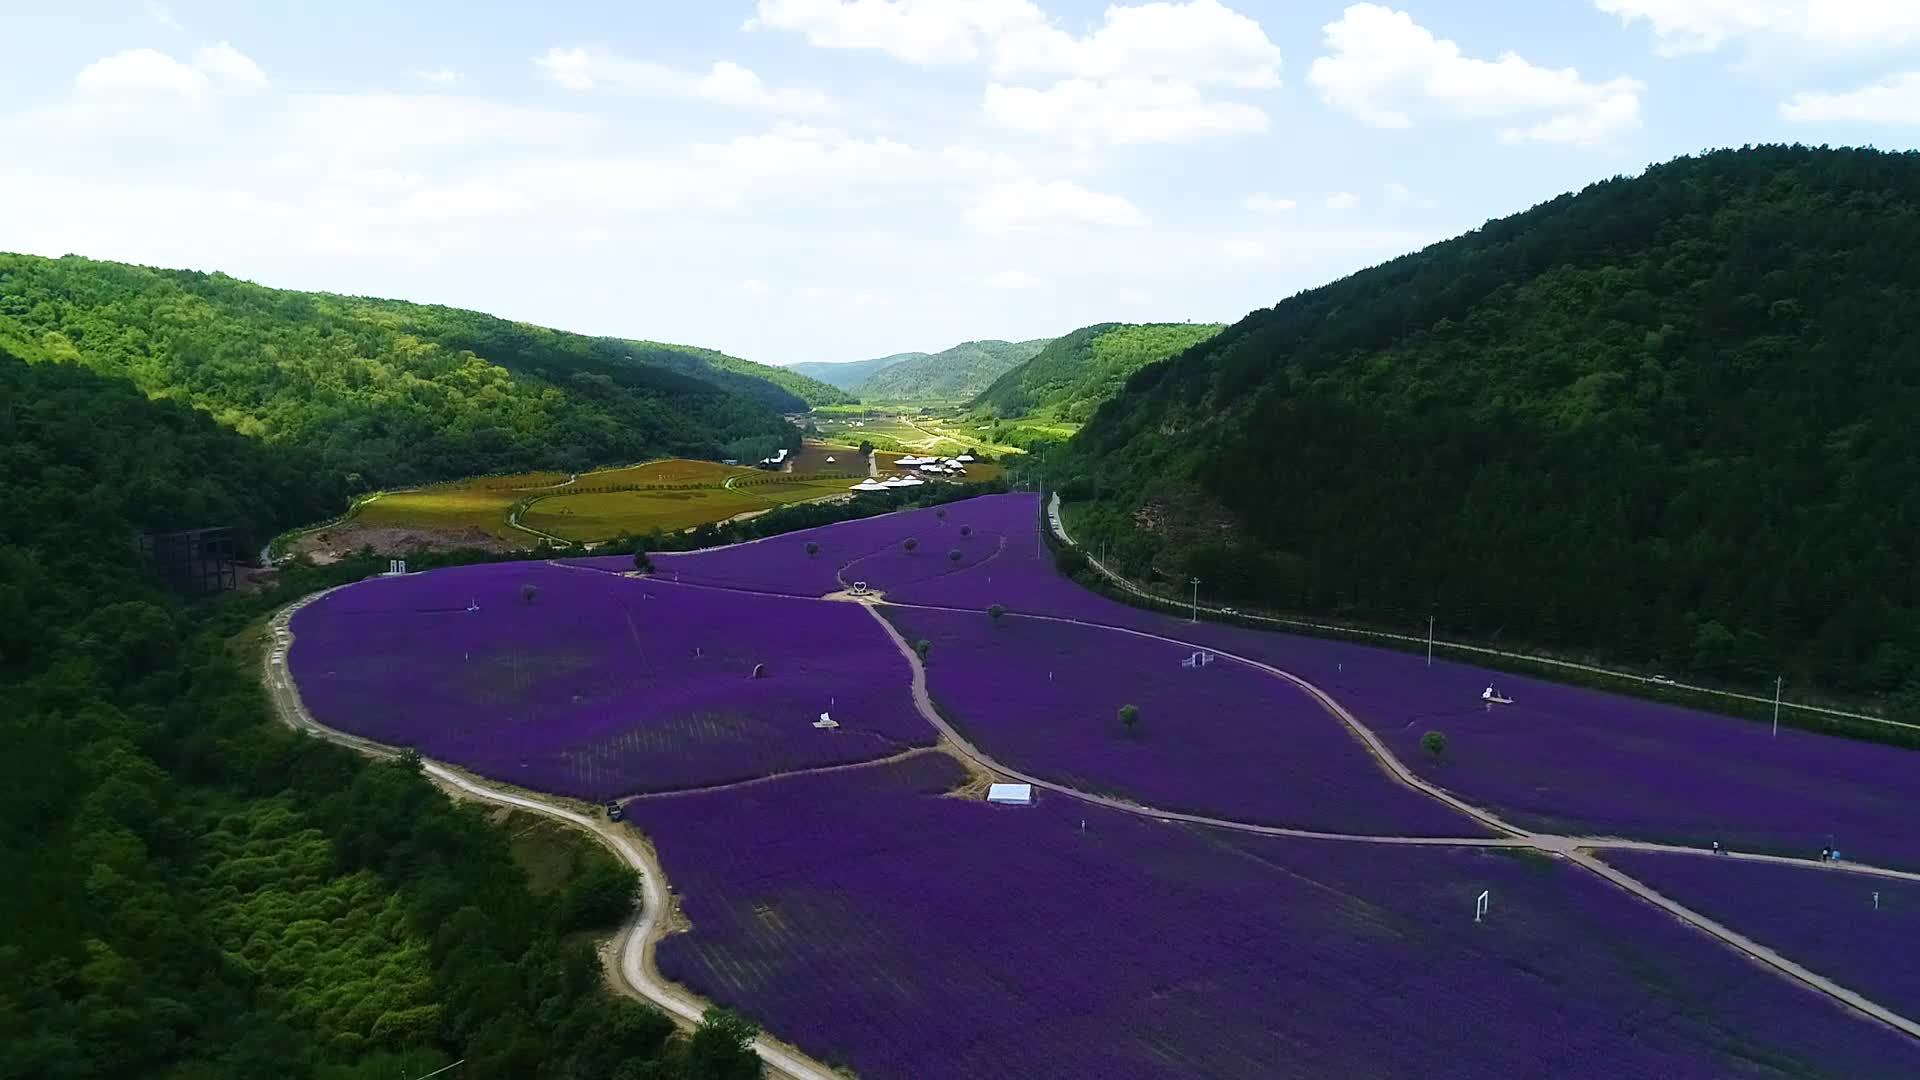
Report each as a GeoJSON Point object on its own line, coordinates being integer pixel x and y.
{"type": "Point", "coordinates": [833, 179]}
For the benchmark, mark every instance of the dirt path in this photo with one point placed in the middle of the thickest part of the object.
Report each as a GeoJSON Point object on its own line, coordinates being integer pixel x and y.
{"type": "Point", "coordinates": [1572, 848]}
{"type": "Point", "coordinates": [633, 946]}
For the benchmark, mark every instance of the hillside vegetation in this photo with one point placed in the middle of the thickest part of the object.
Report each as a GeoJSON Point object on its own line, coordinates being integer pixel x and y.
{"type": "Point", "coordinates": [1670, 418]}
{"type": "Point", "coordinates": [1071, 376]}
{"type": "Point", "coordinates": [953, 375]}
{"type": "Point", "coordinates": [850, 374]}
{"type": "Point", "coordinates": [193, 890]}
{"type": "Point", "coordinates": [389, 391]}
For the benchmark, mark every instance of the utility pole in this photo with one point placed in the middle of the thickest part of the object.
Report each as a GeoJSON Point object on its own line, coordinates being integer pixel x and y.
{"type": "Point", "coordinates": [1196, 599]}
{"type": "Point", "coordinates": [1777, 679]}
{"type": "Point", "coordinates": [1429, 641]}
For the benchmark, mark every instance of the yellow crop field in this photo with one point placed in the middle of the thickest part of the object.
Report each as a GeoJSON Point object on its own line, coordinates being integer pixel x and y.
{"type": "Point", "coordinates": [446, 507]}
{"type": "Point", "coordinates": [605, 515]}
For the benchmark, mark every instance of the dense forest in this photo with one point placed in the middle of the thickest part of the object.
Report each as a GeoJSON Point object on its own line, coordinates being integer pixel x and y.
{"type": "Point", "coordinates": [1667, 419]}
{"type": "Point", "coordinates": [849, 374]}
{"type": "Point", "coordinates": [384, 392]}
{"type": "Point", "coordinates": [952, 375]}
{"type": "Point", "coordinates": [1069, 378]}
{"type": "Point", "coordinates": [194, 892]}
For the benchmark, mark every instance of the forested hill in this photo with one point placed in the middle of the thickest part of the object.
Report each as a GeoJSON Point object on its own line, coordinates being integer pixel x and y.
{"type": "Point", "coordinates": [391, 391]}
{"type": "Point", "coordinates": [956, 374]}
{"type": "Point", "coordinates": [1671, 418]}
{"type": "Point", "coordinates": [850, 374]}
{"type": "Point", "coordinates": [192, 890]}
{"type": "Point", "coordinates": [1074, 374]}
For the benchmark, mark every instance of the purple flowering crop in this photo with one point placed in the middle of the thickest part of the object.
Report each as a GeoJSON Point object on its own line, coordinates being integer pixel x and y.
{"type": "Point", "coordinates": [1222, 739]}
{"type": "Point", "coordinates": [1561, 758]}
{"type": "Point", "coordinates": [911, 935]}
{"type": "Point", "coordinates": [602, 685]}
{"type": "Point", "coordinates": [1824, 919]}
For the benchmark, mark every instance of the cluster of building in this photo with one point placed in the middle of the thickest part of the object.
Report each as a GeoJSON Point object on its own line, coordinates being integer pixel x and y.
{"type": "Point", "coordinates": [954, 467]}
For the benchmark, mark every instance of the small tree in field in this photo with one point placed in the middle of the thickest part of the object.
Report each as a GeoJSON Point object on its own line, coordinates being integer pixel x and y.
{"type": "Point", "coordinates": [1129, 717]}
{"type": "Point", "coordinates": [920, 648]}
{"type": "Point", "coordinates": [910, 544]}
{"type": "Point", "coordinates": [996, 613]}
{"type": "Point", "coordinates": [642, 562]}
{"type": "Point", "coordinates": [1434, 742]}
{"type": "Point", "coordinates": [813, 548]}
{"type": "Point", "coordinates": [966, 530]}
{"type": "Point", "coordinates": [529, 593]}
{"type": "Point", "coordinates": [954, 556]}
{"type": "Point", "coordinates": [940, 512]}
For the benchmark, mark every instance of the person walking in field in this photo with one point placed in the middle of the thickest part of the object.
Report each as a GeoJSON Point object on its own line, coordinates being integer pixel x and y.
{"type": "Point", "coordinates": [1716, 847]}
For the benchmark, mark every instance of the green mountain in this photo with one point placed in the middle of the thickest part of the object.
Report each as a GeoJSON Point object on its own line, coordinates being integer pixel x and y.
{"type": "Point", "coordinates": [391, 391]}
{"type": "Point", "coordinates": [1071, 376]}
{"type": "Point", "coordinates": [851, 373]}
{"type": "Point", "coordinates": [951, 376]}
{"type": "Point", "coordinates": [163, 839]}
{"type": "Point", "coordinates": [1670, 418]}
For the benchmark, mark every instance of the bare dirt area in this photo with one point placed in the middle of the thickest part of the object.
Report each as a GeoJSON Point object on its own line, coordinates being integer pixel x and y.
{"type": "Point", "coordinates": [336, 542]}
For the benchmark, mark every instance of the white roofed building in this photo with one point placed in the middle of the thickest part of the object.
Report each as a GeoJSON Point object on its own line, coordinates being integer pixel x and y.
{"type": "Point", "coordinates": [1011, 794]}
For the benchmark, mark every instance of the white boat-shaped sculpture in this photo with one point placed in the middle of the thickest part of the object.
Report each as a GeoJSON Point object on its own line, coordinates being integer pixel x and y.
{"type": "Point", "coordinates": [1494, 697]}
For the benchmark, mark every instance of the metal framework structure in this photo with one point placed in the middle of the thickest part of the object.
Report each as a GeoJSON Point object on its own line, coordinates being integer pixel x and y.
{"type": "Point", "coordinates": [193, 560]}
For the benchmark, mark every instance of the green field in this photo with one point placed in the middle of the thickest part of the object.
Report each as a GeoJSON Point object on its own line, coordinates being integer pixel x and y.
{"type": "Point", "coordinates": [605, 515]}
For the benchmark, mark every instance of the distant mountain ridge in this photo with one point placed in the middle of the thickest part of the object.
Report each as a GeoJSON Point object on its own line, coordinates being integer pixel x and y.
{"type": "Point", "coordinates": [850, 374]}
{"type": "Point", "coordinates": [952, 375]}
{"type": "Point", "coordinates": [1074, 374]}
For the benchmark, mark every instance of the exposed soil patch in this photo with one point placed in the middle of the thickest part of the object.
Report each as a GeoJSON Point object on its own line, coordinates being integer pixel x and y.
{"type": "Point", "coordinates": [336, 542]}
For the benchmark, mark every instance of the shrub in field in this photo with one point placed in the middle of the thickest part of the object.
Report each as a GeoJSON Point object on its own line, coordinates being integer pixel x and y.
{"type": "Point", "coordinates": [921, 647]}
{"type": "Point", "coordinates": [1434, 742]}
{"type": "Point", "coordinates": [911, 543]}
{"type": "Point", "coordinates": [966, 530]}
{"type": "Point", "coordinates": [1129, 717]}
{"type": "Point", "coordinates": [642, 562]}
{"type": "Point", "coordinates": [529, 593]}
{"type": "Point", "coordinates": [996, 613]}
{"type": "Point", "coordinates": [812, 549]}
{"type": "Point", "coordinates": [954, 556]}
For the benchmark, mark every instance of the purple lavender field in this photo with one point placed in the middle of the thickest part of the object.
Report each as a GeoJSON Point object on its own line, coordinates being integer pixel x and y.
{"type": "Point", "coordinates": [603, 685]}
{"type": "Point", "coordinates": [910, 935]}
{"type": "Point", "coordinates": [1223, 739]}
{"type": "Point", "coordinates": [1561, 758]}
{"type": "Point", "coordinates": [780, 564]}
{"type": "Point", "coordinates": [1824, 919]}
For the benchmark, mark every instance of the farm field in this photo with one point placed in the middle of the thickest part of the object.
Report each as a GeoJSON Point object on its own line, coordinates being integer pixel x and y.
{"type": "Point", "coordinates": [906, 934]}
{"type": "Point", "coordinates": [592, 516]}
{"type": "Point", "coordinates": [601, 685]}
{"type": "Point", "coordinates": [1221, 739]}
{"type": "Point", "coordinates": [1827, 920]}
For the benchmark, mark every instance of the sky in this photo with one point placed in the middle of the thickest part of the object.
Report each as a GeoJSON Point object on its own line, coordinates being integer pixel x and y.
{"type": "Point", "coordinates": [792, 180]}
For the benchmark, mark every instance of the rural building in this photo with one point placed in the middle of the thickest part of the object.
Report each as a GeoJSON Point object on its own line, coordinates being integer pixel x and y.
{"type": "Point", "coordinates": [1011, 794]}
{"type": "Point", "coordinates": [778, 459]}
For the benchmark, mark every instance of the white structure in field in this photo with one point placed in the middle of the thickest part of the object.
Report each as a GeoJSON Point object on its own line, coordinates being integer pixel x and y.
{"type": "Point", "coordinates": [1197, 660]}
{"type": "Point", "coordinates": [396, 567]}
{"type": "Point", "coordinates": [868, 484]}
{"type": "Point", "coordinates": [964, 458]}
{"type": "Point", "coordinates": [1011, 794]}
{"type": "Point", "coordinates": [826, 722]}
{"type": "Point", "coordinates": [1481, 904]}
{"type": "Point", "coordinates": [1494, 697]}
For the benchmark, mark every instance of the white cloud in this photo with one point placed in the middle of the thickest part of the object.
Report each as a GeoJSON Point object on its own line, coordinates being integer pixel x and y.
{"type": "Point", "coordinates": [1122, 111]}
{"type": "Point", "coordinates": [1034, 203]}
{"type": "Point", "coordinates": [439, 76]}
{"type": "Point", "coordinates": [725, 83]}
{"type": "Point", "coordinates": [141, 71]}
{"type": "Point", "coordinates": [1262, 203]}
{"type": "Point", "coordinates": [753, 287]}
{"type": "Point", "coordinates": [1199, 41]}
{"type": "Point", "coordinates": [922, 32]}
{"type": "Point", "coordinates": [229, 65]}
{"type": "Point", "coordinates": [162, 14]}
{"type": "Point", "coordinates": [1398, 194]}
{"type": "Point", "coordinates": [1342, 200]}
{"type": "Point", "coordinates": [1893, 101]}
{"type": "Point", "coordinates": [1013, 279]}
{"type": "Point", "coordinates": [1383, 67]}
{"type": "Point", "coordinates": [1245, 249]}
{"type": "Point", "coordinates": [1826, 26]}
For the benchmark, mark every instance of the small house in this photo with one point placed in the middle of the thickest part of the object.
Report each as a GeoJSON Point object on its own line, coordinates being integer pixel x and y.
{"type": "Point", "coordinates": [1011, 794]}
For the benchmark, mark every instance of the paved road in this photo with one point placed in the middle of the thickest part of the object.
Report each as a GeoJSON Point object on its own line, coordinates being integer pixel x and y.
{"type": "Point", "coordinates": [1573, 848]}
{"type": "Point", "coordinates": [1060, 529]}
{"type": "Point", "coordinates": [634, 944]}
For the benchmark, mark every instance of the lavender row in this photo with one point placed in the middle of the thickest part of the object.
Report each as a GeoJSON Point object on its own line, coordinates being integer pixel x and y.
{"type": "Point", "coordinates": [909, 934]}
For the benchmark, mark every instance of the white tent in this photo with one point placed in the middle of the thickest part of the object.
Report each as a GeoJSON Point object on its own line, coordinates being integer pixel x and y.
{"type": "Point", "coordinates": [1011, 794]}
{"type": "Point", "coordinates": [964, 457]}
{"type": "Point", "coordinates": [868, 485]}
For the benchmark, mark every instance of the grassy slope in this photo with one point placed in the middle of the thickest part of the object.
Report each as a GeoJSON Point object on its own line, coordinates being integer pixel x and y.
{"type": "Point", "coordinates": [953, 375]}
{"type": "Point", "coordinates": [1069, 378]}
{"type": "Point", "coordinates": [852, 373]}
